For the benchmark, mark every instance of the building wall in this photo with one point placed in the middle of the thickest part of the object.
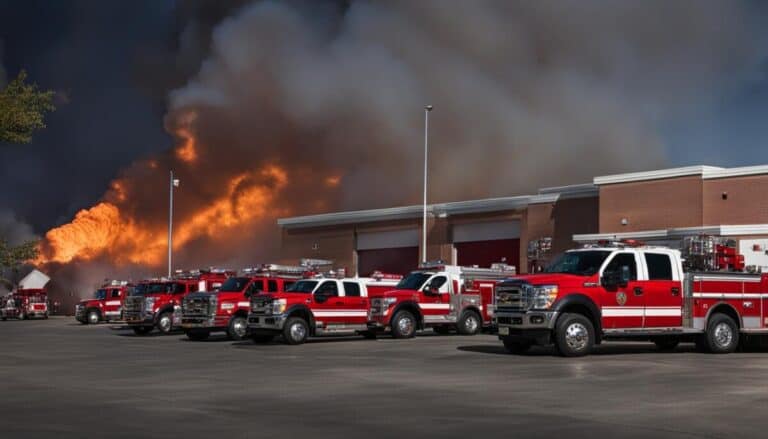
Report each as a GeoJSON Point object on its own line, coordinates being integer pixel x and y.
{"type": "Point", "coordinates": [651, 205]}
{"type": "Point", "coordinates": [335, 243]}
{"type": "Point", "coordinates": [571, 217]}
{"type": "Point", "coordinates": [746, 201]}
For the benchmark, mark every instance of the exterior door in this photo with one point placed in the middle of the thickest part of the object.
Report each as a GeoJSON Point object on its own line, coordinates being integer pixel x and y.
{"type": "Point", "coordinates": [436, 307]}
{"type": "Point", "coordinates": [663, 292]}
{"type": "Point", "coordinates": [623, 307]}
{"type": "Point", "coordinates": [113, 303]}
{"type": "Point", "coordinates": [355, 304]}
{"type": "Point", "coordinates": [328, 306]}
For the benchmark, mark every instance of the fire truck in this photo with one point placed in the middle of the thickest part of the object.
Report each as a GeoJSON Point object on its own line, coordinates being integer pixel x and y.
{"type": "Point", "coordinates": [627, 290]}
{"type": "Point", "coordinates": [439, 296]}
{"type": "Point", "coordinates": [316, 306]}
{"type": "Point", "coordinates": [157, 303]}
{"type": "Point", "coordinates": [29, 301]}
{"type": "Point", "coordinates": [227, 309]}
{"type": "Point", "coordinates": [106, 304]}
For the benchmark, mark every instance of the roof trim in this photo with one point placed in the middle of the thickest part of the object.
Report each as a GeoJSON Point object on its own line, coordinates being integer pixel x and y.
{"type": "Point", "coordinates": [353, 217]}
{"type": "Point", "coordinates": [656, 175]}
{"type": "Point", "coordinates": [720, 230]}
{"type": "Point", "coordinates": [736, 172]}
{"type": "Point", "coordinates": [484, 205]}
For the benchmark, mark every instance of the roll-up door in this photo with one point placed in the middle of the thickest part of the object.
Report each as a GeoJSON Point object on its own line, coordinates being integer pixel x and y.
{"type": "Point", "coordinates": [392, 251]}
{"type": "Point", "coordinates": [485, 243]}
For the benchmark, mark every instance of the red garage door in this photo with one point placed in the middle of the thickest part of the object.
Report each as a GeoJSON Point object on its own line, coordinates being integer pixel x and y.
{"type": "Point", "coordinates": [401, 260]}
{"type": "Point", "coordinates": [485, 253]}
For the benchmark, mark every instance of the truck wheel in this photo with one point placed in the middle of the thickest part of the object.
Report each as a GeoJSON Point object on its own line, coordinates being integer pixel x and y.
{"type": "Point", "coordinates": [165, 322]}
{"type": "Point", "coordinates": [198, 335]}
{"type": "Point", "coordinates": [23, 316]}
{"type": "Point", "coordinates": [262, 338]}
{"type": "Point", "coordinates": [403, 325]}
{"type": "Point", "coordinates": [469, 323]}
{"type": "Point", "coordinates": [574, 335]}
{"type": "Point", "coordinates": [142, 330]}
{"type": "Point", "coordinates": [722, 336]}
{"type": "Point", "coordinates": [238, 328]}
{"type": "Point", "coordinates": [667, 342]}
{"type": "Point", "coordinates": [93, 317]}
{"type": "Point", "coordinates": [516, 346]}
{"type": "Point", "coordinates": [296, 331]}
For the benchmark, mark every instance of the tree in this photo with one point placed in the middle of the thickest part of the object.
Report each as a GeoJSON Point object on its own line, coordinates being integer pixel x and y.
{"type": "Point", "coordinates": [22, 110]}
{"type": "Point", "coordinates": [12, 257]}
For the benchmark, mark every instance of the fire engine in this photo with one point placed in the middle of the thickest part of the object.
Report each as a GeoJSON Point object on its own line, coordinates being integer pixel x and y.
{"type": "Point", "coordinates": [157, 303]}
{"type": "Point", "coordinates": [106, 304]}
{"type": "Point", "coordinates": [316, 306]}
{"type": "Point", "coordinates": [439, 296]}
{"type": "Point", "coordinates": [227, 309]}
{"type": "Point", "coordinates": [29, 301]}
{"type": "Point", "coordinates": [627, 290]}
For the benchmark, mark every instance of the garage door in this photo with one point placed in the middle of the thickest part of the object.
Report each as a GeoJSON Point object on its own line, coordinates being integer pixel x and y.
{"type": "Point", "coordinates": [483, 244]}
{"type": "Point", "coordinates": [393, 251]}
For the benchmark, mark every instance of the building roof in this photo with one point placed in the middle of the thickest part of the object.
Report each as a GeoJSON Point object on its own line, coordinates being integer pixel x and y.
{"type": "Point", "coordinates": [705, 172]}
{"type": "Point", "coordinates": [679, 232]}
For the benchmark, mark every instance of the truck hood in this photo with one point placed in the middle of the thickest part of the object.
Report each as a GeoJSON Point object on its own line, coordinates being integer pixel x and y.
{"type": "Point", "coordinates": [559, 279]}
{"type": "Point", "coordinates": [89, 302]}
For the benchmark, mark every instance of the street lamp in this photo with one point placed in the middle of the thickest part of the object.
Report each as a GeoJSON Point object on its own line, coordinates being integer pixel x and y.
{"type": "Point", "coordinates": [174, 182]}
{"type": "Point", "coordinates": [427, 109]}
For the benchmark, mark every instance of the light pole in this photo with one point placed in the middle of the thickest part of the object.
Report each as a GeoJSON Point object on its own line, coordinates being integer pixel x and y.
{"type": "Point", "coordinates": [427, 109]}
{"type": "Point", "coordinates": [173, 183]}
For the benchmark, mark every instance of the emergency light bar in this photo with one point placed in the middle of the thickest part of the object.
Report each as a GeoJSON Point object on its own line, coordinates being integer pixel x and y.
{"type": "Point", "coordinates": [309, 262]}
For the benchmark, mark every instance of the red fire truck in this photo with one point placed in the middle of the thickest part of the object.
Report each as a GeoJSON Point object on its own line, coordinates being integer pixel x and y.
{"type": "Point", "coordinates": [106, 304]}
{"type": "Point", "coordinates": [157, 303]}
{"type": "Point", "coordinates": [439, 296]}
{"type": "Point", "coordinates": [29, 301]}
{"type": "Point", "coordinates": [227, 309]}
{"type": "Point", "coordinates": [626, 290]}
{"type": "Point", "coordinates": [315, 307]}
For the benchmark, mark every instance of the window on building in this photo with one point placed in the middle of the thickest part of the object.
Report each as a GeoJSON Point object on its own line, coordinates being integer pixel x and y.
{"type": "Point", "coordinates": [659, 266]}
{"type": "Point", "coordinates": [351, 289]}
{"type": "Point", "coordinates": [622, 260]}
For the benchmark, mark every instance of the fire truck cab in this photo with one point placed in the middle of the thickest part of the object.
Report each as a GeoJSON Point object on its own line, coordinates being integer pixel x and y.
{"type": "Point", "coordinates": [627, 290]}
{"type": "Point", "coordinates": [29, 301]}
{"type": "Point", "coordinates": [106, 304]}
{"type": "Point", "coordinates": [439, 296]}
{"type": "Point", "coordinates": [315, 307]}
{"type": "Point", "coordinates": [227, 309]}
{"type": "Point", "coordinates": [157, 303]}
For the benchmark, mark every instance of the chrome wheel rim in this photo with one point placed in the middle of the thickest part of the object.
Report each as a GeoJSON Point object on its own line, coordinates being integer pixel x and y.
{"type": "Point", "coordinates": [239, 327]}
{"type": "Point", "coordinates": [298, 331]}
{"type": "Point", "coordinates": [576, 336]}
{"type": "Point", "coordinates": [405, 325]}
{"type": "Point", "coordinates": [471, 324]}
{"type": "Point", "coordinates": [93, 318]}
{"type": "Point", "coordinates": [723, 334]}
{"type": "Point", "coordinates": [165, 324]}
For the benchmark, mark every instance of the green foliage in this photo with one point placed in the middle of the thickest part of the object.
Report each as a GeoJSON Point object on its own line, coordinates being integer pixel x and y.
{"type": "Point", "coordinates": [11, 257]}
{"type": "Point", "coordinates": [22, 110]}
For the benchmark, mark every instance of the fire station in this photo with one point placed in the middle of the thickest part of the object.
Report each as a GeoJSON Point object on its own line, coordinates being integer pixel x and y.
{"type": "Point", "coordinates": [657, 207]}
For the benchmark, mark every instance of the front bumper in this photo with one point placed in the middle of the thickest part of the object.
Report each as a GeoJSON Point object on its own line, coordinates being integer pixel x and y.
{"type": "Point", "coordinates": [266, 322]}
{"type": "Point", "coordinates": [537, 325]}
{"type": "Point", "coordinates": [205, 322]}
{"type": "Point", "coordinates": [139, 319]}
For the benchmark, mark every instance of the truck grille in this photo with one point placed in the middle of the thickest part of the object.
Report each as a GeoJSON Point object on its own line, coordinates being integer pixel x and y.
{"type": "Point", "coordinates": [134, 307]}
{"type": "Point", "coordinates": [513, 298]}
{"type": "Point", "coordinates": [260, 303]}
{"type": "Point", "coordinates": [198, 306]}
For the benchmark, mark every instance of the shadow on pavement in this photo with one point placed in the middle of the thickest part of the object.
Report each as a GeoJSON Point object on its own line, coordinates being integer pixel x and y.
{"type": "Point", "coordinates": [603, 349]}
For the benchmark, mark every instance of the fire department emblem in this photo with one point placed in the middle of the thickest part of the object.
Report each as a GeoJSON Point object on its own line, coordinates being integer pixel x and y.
{"type": "Point", "coordinates": [621, 298]}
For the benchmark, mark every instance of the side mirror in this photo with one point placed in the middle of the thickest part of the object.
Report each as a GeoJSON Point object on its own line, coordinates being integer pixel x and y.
{"type": "Point", "coordinates": [430, 291]}
{"type": "Point", "coordinates": [610, 280]}
{"type": "Point", "coordinates": [625, 276]}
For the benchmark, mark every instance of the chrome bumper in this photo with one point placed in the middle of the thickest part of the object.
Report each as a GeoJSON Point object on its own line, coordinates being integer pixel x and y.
{"type": "Point", "coordinates": [525, 320]}
{"type": "Point", "coordinates": [270, 322]}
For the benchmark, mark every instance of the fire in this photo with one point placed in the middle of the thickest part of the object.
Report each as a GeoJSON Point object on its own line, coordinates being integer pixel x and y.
{"type": "Point", "coordinates": [333, 181]}
{"type": "Point", "coordinates": [187, 151]}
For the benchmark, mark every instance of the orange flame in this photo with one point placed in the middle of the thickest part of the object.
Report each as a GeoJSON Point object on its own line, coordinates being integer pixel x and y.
{"type": "Point", "coordinates": [187, 152]}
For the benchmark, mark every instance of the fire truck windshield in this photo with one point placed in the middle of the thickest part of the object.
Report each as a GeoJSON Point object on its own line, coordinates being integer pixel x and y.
{"type": "Point", "coordinates": [147, 288]}
{"type": "Point", "coordinates": [100, 294]}
{"type": "Point", "coordinates": [582, 263]}
{"type": "Point", "coordinates": [413, 281]}
{"type": "Point", "coordinates": [234, 284]}
{"type": "Point", "coordinates": [302, 286]}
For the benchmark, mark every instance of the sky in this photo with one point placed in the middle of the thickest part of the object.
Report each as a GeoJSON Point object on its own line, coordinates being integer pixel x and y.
{"type": "Point", "coordinates": [114, 66]}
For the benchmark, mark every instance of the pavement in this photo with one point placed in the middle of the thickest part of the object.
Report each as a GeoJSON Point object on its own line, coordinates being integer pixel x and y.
{"type": "Point", "coordinates": [66, 380]}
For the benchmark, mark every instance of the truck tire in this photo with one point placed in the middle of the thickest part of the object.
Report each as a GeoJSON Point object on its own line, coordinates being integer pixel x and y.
{"type": "Point", "coordinates": [722, 336]}
{"type": "Point", "coordinates": [516, 346]}
{"type": "Point", "coordinates": [238, 328]}
{"type": "Point", "coordinates": [142, 330]}
{"type": "Point", "coordinates": [165, 322]}
{"type": "Point", "coordinates": [198, 335]}
{"type": "Point", "coordinates": [92, 317]}
{"type": "Point", "coordinates": [403, 325]}
{"type": "Point", "coordinates": [574, 335]}
{"type": "Point", "coordinates": [469, 323]}
{"type": "Point", "coordinates": [296, 331]}
{"type": "Point", "coordinates": [666, 342]}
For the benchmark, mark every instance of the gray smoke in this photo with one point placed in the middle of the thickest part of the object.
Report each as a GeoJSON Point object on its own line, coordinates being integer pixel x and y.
{"type": "Point", "coordinates": [526, 94]}
{"type": "Point", "coordinates": [13, 230]}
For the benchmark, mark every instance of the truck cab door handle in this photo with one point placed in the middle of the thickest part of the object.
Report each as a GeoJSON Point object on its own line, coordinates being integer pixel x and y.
{"type": "Point", "coordinates": [308, 301]}
{"type": "Point", "coordinates": [675, 291]}
{"type": "Point", "coordinates": [638, 291]}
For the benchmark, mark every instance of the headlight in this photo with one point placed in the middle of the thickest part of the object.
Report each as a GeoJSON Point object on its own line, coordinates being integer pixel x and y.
{"type": "Point", "coordinates": [388, 301]}
{"type": "Point", "coordinates": [226, 306]}
{"type": "Point", "coordinates": [544, 296]}
{"type": "Point", "coordinates": [278, 306]}
{"type": "Point", "coordinates": [149, 303]}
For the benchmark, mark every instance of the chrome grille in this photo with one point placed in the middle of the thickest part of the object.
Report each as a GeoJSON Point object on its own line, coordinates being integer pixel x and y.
{"type": "Point", "coordinates": [259, 304]}
{"type": "Point", "coordinates": [134, 306]}
{"type": "Point", "coordinates": [197, 306]}
{"type": "Point", "coordinates": [513, 298]}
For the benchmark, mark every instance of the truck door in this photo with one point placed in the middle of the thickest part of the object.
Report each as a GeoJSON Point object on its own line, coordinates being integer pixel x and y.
{"type": "Point", "coordinates": [663, 292]}
{"type": "Point", "coordinates": [327, 306]}
{"type": "Point", "coordinates": [355, 304]}
{"type": "Point", "coordinates": [436, 304]}
{"type": "Point", "coordinates": [622, 306]}
{"type": "Point", "coordinates": [113, 303]}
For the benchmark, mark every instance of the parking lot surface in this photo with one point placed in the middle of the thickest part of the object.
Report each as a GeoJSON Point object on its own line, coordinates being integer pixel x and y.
{"type": "Point", "coordinates": [61, 379]}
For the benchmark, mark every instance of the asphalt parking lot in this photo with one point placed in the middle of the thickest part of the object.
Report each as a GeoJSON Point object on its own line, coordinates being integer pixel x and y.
{"type": "Point", "coordinates": [61, 379]}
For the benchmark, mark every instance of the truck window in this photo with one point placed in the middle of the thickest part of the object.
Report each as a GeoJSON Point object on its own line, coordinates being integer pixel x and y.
{"type": "Point", "coordinates": [271, 285]}
{"type": "Point", "coordinates": [351, 289]}
{"type": "Point", "coordinates": [659, 266]}
{"type": "Point", "coordinates": [438, 282]}
{"type": "Point", "coordinates": [623, 259]}
{"type": "Point", "coordinates": [328, 288]}
{"type": "Point", "coordinates": [287, 284]}
{"type": "Point", "coordinates": [255, 288]}
{"type": "Point", "coordinates": [100, 294]}
{"type": "Point", "coordinates": [115, 293]}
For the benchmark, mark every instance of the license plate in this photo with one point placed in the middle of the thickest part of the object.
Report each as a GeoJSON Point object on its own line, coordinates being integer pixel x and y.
{"type": "Point", "coordinates": [503, 330]}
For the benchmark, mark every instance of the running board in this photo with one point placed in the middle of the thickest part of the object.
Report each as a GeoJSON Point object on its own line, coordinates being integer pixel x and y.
{"type": "Point", "coordinates": [649, 332]}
